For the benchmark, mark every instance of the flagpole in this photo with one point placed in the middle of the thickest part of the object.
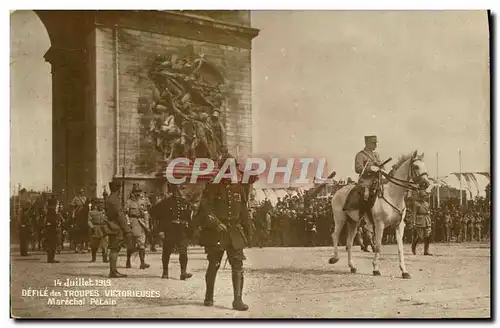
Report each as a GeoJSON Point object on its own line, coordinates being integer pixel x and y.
{"type": "Point", "coordinates": [437, 178]}
{"type": "Point", "coordinates": [460, 175]}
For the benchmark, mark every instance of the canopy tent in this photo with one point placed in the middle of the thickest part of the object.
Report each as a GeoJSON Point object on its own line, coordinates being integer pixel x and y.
{"type": "Point", "coordinates": [474, 183]}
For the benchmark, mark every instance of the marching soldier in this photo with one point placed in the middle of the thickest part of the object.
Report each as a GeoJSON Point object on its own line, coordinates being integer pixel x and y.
{"type": "Point", "coordinates": [225, 225]}
{"type": "Point", "coordinates": [138, 216]}
{"type": "Point", "coordinates": [422, 223]}
{"type": "Point", "coordinates": [174, 216]}
{"type": "Point", "coordinates": [51, 230]}
{"type": "Point", "coordinates": [98, 239]}
{"type": "Point", "coordinates": [116, 228]}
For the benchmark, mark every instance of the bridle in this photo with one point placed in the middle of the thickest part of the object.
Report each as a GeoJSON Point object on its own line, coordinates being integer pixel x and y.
{"type": "Point", "coordinates": [408, 184]}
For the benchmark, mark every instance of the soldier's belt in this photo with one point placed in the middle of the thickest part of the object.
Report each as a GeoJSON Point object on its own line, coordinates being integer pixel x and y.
{"type": "Point", "coordinates": [136, 217]}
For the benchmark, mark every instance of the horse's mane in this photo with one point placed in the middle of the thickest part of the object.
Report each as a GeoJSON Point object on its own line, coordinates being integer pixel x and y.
{"type": "Point", "coordinates": [403, 158]}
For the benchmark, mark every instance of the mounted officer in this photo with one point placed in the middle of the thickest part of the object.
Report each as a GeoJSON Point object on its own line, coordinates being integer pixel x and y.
{"type": "Point", "coordinates": [225, 223]}
{"type": "Point", "coordinates": [138, 217]}
{"type": "Point", "coordinates": [367, 163]}
{"type": "Point", "coordinates": [174, 216]}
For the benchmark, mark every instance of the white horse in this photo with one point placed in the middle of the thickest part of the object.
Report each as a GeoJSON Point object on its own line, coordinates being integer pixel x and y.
{"type": "Point", "coordinates": [388, 210]}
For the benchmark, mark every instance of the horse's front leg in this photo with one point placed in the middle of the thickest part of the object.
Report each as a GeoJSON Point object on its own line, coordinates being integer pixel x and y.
{"type": "Point", "coordinates": [379, 232]}
{"type": "Point", "coordinates": [399, 239]}
{"type": "Point", "coordinates": [352, 228]}
{"type": "Point", "coordinates": [339, 224]}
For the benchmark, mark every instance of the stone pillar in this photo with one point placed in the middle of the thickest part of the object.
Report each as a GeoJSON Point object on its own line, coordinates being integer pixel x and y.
{"type": "Point", "coordinates": [71, 128]}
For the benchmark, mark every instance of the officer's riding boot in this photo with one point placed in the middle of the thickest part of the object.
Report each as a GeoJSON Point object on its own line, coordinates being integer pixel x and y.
{"type": "Point", "coordinates": [183, 259]}
{"type": "Point", "coordinates": [128, 265]}
{"type": "Point", "coordinates": [165, 259]}
{"type": "Point", "coordinates": [51, 254]}
{"type": "Point", "coordinates": [210, 283]}
{"type": "Point", "coordinates": [94, 254]}
{"type": "Point", "coordinates": [238, 290]}
{"type": "Point", "coordinates": [142, 256]}
{"type": "Point", "coordinates": [427, 241]}
{"type": "Point", "coordinates": [113, 272]}
{"type": "Point", "coordinates": [105, 256]}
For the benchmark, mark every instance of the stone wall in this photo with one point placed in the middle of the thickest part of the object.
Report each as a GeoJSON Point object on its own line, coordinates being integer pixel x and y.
{"type": "Point", "coordinates": [137, 46]}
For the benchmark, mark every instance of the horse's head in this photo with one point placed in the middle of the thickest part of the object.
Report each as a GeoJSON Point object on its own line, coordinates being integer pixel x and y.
{"type": "Point", "coordinates": [418, 171]}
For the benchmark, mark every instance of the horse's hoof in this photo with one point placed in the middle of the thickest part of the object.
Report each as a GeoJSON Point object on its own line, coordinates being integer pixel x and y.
{"type": "Point", "coordinates": [376, 273]}
{"type": "Point", "coordinates": [354, 270]}
{"type": "Point", "coordinates": [406, 275]}
{"type": "Point", "coordinates": [333, 260]}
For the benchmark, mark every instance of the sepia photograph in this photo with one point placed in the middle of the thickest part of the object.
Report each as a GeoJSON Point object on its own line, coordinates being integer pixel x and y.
{"type": "Point", "coordinates": [250, 164]}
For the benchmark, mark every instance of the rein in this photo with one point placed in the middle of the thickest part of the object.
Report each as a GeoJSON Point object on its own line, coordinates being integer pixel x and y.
{"type": "Point", "coordinates": [406, 184]}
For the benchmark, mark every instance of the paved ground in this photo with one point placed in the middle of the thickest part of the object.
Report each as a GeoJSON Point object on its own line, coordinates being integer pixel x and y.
{"type": "Point", "coordinates": [279, 283]}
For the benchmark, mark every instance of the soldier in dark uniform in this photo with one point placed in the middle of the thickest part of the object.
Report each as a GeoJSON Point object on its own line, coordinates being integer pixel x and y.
{"type": "Point", "coordinates": [367, 163]}
{"type": "Point", "coordinates": [225, 224]}
{"type": "Point", "coordinates": [116, 227]}
{"type": "Point", "coordinates": [51, 230]}
{"type": "Point", "coordinates": [80, 206]}
{"type": "Point", "coordinates": [310, 228]}
{"type": "Point", "coordinates": [367, 231]}
{"type": "Point", "coordinates": [153, 226]}
{"type": "Point", "coordinates": [24, 222]}
{"type": "Point", "coordinates": [98, 238]}
{"type": "Point", "coordinates": [422, 223]}
{"type": "Point", "coordinates": [173, 214]}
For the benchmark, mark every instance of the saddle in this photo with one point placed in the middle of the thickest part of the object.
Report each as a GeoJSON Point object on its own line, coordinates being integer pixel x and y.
{"type": "Point", "coordinates": [355, 200]}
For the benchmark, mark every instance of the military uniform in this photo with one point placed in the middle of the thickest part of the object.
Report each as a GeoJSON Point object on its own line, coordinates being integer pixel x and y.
{"type": "Point", "coordinates": [24, 223]}
{"type": "Point", "coordinates": [116, 228]}
{"type": "Point", "coordinates": [472, 227]}
{"type": "Point", "coordinates": [51, 230]}
{"type": "Point", "coordinates": [310, 229]}
{"type": "Point", "coordinates": [447, 227]}
{"type": "Point", "coordinates": [365, 164]}
{"type": "Point", "coordinates": [367, 234]}
{"type": "Point", "coordinates": [465, 226]}
{"type": "Point", "coordinates": [138, 216]}
{"type": "Point", "coordinates": [479, 227]}
{"type": "Point", "coordinates": [225, 225]}
{"type": "Point", "coordinates": [80, 212]}
{"type": "Point", "coordinates": [98, 238]}
{"type": "Point", "coordinates": [174, 216]}
{"type": "Point", "coordinates": [422, 223]}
